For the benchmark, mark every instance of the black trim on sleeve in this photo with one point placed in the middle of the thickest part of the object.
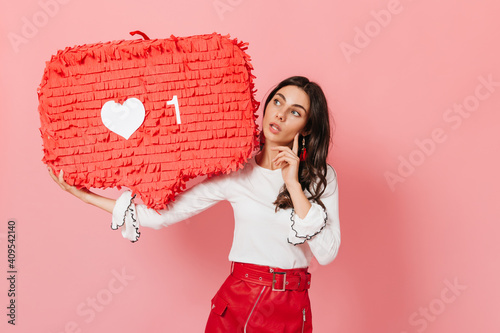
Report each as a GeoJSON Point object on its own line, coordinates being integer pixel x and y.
{"type": "Point", "coordinates": [307, 237]}
{"type": "Point", "coordinates": [133, 219]}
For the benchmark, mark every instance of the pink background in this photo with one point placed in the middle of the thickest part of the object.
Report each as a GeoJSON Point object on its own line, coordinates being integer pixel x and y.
{"type": "Point", "coordinates": [403, 246]}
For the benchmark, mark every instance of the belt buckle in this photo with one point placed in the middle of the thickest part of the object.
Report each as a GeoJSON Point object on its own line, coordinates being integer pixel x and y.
{"type": "Point", "coordinates": [274, 281]}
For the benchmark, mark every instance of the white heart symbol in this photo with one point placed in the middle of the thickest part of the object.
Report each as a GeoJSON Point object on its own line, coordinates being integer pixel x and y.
{"type": "Point", "coordinates": [124, 119]}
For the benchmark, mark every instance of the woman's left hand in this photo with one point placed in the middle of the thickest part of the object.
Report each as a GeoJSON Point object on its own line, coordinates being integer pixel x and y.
{"type": "Point", "coordinates": [288, 160]}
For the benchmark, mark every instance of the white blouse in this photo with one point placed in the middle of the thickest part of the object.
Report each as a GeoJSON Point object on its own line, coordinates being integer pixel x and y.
{"type": "Point", "coordinates": [261, 236]}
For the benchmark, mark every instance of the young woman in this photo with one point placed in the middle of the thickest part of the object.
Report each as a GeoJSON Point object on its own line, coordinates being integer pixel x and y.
{"type": "Point", "coordinates": [285, 211]}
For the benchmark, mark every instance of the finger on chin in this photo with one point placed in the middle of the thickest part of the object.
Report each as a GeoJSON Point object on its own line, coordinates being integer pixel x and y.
{"type": "Point", "coordinates": [295, 146]}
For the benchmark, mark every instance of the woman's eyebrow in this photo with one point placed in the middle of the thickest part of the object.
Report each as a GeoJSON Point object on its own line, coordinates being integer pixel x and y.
{"type": "Point", "coordinates": [297, 105]}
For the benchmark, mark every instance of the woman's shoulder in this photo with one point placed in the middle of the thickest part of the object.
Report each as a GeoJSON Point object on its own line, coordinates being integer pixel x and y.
{"type": "Point", "coordinates": [331, 173]}
{"type": "Point", "coordinates": [331, 180]}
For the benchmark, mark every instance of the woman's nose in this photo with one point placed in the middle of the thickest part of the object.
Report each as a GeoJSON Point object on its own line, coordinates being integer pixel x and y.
{"type": "Point", "coordinates": [280, 115]}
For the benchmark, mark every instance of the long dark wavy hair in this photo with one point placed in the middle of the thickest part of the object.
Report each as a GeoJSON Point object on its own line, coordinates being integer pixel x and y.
{"type": "Point", "coordinates": [312, 171]}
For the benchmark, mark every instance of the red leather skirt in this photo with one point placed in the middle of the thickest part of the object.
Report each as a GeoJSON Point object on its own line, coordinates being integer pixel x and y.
{"type": "Point", "coordinates": [262, 299]}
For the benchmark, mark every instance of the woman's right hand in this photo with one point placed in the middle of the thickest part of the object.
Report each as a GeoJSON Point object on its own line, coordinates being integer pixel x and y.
{"type": "Point", "coordinates": [79, 193]}
{"type": "Point", "coordinates": [84, 194]}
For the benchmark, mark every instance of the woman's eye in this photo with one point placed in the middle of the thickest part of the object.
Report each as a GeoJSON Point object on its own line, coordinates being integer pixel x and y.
{"type": "Point", "coordinates": [276, 102]}
{"type": "Point", "coordinates": [295, 113]}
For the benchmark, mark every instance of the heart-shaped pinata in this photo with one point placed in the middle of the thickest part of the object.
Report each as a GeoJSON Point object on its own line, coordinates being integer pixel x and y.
{"type": "Point", "coordinates": [148, 114]}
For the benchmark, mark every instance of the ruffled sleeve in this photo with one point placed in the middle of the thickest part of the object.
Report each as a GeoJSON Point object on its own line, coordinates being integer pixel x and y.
{"type": "Point", "coordinates": [320, 227]}
{"type": "Point", "coordinates": [125, 216]}
{"type": "Point", "coordinates": [130, 216]}
{"type": "Point", "coordinates": [308, 227]}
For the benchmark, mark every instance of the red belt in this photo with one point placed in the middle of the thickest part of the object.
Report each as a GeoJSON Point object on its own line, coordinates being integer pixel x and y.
{"type": "Point", "coordinates": [278, 279]}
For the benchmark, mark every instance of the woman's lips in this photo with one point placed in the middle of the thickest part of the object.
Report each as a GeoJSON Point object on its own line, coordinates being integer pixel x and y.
{"type": "Point", "coordinates": [274, 128]}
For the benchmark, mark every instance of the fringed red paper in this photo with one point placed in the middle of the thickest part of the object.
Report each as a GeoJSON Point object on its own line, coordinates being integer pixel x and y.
{"type": "Point", "coordinates": [211, 77]}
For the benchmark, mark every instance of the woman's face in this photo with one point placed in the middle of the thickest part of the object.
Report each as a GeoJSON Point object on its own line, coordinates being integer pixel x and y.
{"type": "Point", "coordinates": [285, 115]}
